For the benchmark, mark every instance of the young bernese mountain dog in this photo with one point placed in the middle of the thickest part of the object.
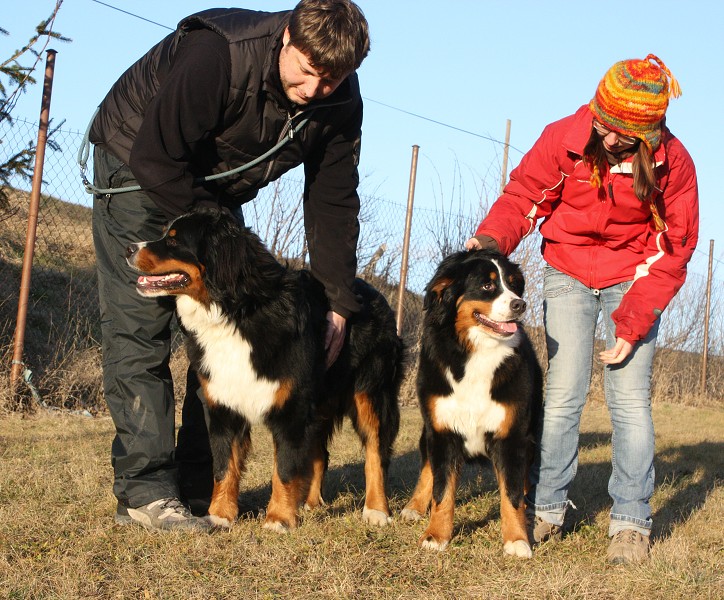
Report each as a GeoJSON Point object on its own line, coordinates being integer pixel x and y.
{"type": "Point", "coordinates": [256, 332]}
{"type": "Point", "coordinates": [480, 390]}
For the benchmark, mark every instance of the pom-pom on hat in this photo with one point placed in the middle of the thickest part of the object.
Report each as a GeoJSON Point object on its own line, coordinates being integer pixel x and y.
{"type": "Point", "coordinates": [632, 98]}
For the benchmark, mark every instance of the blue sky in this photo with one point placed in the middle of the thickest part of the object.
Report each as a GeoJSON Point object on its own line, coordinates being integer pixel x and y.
{"type": "Point", "coordinates": [469, 65]}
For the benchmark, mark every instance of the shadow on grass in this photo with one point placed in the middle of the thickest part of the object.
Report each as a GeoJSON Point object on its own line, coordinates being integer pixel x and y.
{"type": "Point", "coordinates": [678, 467]}
{"type": "Point", "coordinates": [693, 471]}
{"type": "Point", "coordinates": [476, 479]}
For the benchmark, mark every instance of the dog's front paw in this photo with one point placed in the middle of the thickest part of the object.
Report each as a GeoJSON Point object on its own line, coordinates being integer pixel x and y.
{"type": "Point", "coordinates": [220, 522]}
{"type": "Point", "coordinates": [410, 514]}
{"type": "Point", "coordinates": [519, 548]}
{"type": "Point", "coordinates": [430, 542]}
{"type": "Point", "coordinates": [376, 517]}
{"type": "Point", "coordinates": [312, 504]}
{"type": "Point", "coordinates": [276, 526]}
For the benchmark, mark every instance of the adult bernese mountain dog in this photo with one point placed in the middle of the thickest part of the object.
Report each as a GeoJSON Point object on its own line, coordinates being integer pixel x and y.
{"type": "Point", "coordinates": [256, 331]}
{"type": "Point", "coordinates": [479, 385]}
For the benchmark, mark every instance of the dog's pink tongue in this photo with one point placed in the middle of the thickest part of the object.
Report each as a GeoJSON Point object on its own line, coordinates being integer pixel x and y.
{"type": "Point", "coordinates": [510, 327]}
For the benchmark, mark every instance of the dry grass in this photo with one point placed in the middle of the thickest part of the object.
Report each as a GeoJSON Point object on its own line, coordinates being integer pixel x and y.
{"type": "Point", "coordinates": [62, 347]}
{"type": "Point", "coordinates": [57, 538]}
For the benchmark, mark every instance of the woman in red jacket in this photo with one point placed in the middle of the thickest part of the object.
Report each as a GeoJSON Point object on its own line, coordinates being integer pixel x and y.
{"type": "Point", "coordinates": [618, 196]}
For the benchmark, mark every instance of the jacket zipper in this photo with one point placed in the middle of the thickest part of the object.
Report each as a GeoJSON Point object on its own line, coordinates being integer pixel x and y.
{"type": "Point", "coordinates": [288, 129]}
{"type": "Point", "coordinates": [596, 249]}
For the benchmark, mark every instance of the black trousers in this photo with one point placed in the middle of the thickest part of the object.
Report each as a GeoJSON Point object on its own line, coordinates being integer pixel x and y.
{"type": "Point", "coordinates": [148, 462]}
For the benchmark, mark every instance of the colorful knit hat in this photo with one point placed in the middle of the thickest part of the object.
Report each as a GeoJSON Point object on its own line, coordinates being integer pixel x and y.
{"type": "Point", "coordinates": [632, 98]}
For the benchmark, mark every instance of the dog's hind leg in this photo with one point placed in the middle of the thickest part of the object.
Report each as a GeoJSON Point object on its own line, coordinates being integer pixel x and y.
{"type": "Point", "coordinates": [377, 433]}
{"type": "Point", "coordinates": [230, 438]}
{"type": "Point", "coordinates": [418, 504]}
{"type": "Point", "coordinates": [320, 461]}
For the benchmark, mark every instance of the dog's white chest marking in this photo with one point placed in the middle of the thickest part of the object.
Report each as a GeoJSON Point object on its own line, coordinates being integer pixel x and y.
{"type": "Point", "coordinates": [470, 410]}
{"type": "Point", "coordinates": [233, 381]}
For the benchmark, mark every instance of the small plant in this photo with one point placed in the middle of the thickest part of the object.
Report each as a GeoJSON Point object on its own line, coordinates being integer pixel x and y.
{"type": "Point", "coordinates": [16, 75]}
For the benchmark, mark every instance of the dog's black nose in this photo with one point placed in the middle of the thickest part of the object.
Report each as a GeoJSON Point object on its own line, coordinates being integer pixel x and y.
{"type": "Point", "coordinates": [518, 306]}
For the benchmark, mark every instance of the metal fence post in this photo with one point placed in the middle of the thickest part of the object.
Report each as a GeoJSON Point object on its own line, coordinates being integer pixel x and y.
{"type": "Point", "coordinates": [705, 350]}
{"type": "Point", "coordinates": [504, 176]}
{"type": "Point", "coordinates": [406, 242]}
{"type": "Point", "coordinates": [19, 338]}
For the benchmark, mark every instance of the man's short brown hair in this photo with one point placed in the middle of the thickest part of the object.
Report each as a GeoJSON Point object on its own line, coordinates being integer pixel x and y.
{"type": "Point", "coordinates": [333, 34]}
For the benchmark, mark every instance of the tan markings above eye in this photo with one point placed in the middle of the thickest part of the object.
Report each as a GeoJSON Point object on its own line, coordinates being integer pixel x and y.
{"type": "Point", "coordinates": [171, 233]}
{"type": "Point", "coordinates": [493, 275]}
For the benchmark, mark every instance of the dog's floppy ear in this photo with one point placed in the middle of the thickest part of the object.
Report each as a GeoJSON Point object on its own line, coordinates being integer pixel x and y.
{"type": "Point", "coordinates": [435, 291]}
{"type": "Point", "coordinates": [442, 287]}
{"type": "Point", "coordinates": [222, 256]}
{"type": "Point", "coordinates": [240, 271]}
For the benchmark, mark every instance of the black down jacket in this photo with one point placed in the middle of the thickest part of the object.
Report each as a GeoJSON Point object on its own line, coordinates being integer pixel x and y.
{"type": "Point", "coordinates": [207, 99]}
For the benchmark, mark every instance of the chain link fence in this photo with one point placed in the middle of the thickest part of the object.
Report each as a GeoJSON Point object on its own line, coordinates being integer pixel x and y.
{"type": "Point", "coordinates": [62, 332]}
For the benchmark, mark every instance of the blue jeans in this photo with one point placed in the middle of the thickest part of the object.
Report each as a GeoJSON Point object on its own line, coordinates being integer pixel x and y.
{"type": "Point", "coordinates": [571, 311]}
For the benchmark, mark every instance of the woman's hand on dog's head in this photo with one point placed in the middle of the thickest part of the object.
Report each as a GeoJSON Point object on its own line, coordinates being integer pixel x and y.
{"type": "Point", "coordinates": [482, 242]}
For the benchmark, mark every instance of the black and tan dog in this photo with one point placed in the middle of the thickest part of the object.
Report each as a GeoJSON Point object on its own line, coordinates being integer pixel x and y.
{"type": "Point", "coordinates": [480, 390]}
{"type": "Point", "coordinates": [256, 333]}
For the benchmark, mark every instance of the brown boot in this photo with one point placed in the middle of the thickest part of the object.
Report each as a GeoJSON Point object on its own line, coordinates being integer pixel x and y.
{"type": "Point", "coordinates": [540, 531]}
{"type": "Point", "coordinates": [627, 547]}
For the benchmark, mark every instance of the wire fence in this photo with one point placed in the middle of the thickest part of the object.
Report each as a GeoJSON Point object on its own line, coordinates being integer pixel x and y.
{"type": "Point", "coordinates": [63, 308]}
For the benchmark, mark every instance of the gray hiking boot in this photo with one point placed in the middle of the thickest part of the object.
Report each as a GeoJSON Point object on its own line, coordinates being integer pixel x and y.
{"type": "Point", "coordinates": [627, 547]}
{"type": "Point", "coordinates": [540, 531]}
{"type": "Point", "coordinates": [162, 515]}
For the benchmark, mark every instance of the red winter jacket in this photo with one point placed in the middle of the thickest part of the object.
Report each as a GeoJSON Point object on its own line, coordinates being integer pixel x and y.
{"type": "Point", "coordinates": [603, 236]}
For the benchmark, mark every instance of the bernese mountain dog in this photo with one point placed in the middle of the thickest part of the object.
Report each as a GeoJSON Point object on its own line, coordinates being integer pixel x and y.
{"type": "Point", "coordinates": [479, 385]}
{"type": "Point", "coordinates": [255, 336]}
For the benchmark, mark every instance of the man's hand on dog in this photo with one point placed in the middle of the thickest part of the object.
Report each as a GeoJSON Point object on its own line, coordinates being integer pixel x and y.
{"type": "Point", "coordinates": [335, 336]}
{"type": "Point", "coordinates": [482, 242]}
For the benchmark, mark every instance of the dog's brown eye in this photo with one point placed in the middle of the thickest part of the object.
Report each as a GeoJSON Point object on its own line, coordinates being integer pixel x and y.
{"type": "Point", "coordinates": [489, 287]}
{"type": "Point", "coordinates": [171, 242]}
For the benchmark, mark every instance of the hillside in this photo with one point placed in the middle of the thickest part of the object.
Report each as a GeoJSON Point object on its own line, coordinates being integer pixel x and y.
{"type": "Point", "coordinates": [62, 342]}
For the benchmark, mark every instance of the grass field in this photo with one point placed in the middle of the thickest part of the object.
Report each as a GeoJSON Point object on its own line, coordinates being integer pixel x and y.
{"type": "Point", "coordinates": [58, 540]}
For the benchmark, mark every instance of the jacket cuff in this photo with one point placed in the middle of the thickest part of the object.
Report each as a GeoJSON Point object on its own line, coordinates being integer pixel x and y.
{"type": "Point", "coordinates": [341, 311]}
{"type": "Point", "coordinates": [345, 305]}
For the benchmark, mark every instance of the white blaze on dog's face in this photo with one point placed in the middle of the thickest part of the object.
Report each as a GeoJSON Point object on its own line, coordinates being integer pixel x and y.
{"type": "Point", "coordinates": [506, 307]}
{"type": "Point", "coordinates": [169, 266]}
{"type": "Point", "coordinates": [491, 304]}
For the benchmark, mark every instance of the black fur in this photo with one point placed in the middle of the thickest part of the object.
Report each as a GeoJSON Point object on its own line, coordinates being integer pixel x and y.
{"type": "Point", "coordinates": [474, 279]}
{"type": "Point", "coordinates": [281, 314]}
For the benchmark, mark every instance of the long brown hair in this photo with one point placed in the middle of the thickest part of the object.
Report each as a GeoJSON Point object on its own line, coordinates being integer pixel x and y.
{"type": "Point", "coordinates": [642, 168]}
{"type": "Point", "coordinates": [644, 177]}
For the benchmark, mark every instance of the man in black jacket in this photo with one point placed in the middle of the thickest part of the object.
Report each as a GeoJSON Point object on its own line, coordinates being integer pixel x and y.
{"type": "Point", "coordinates": [223, 89]}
